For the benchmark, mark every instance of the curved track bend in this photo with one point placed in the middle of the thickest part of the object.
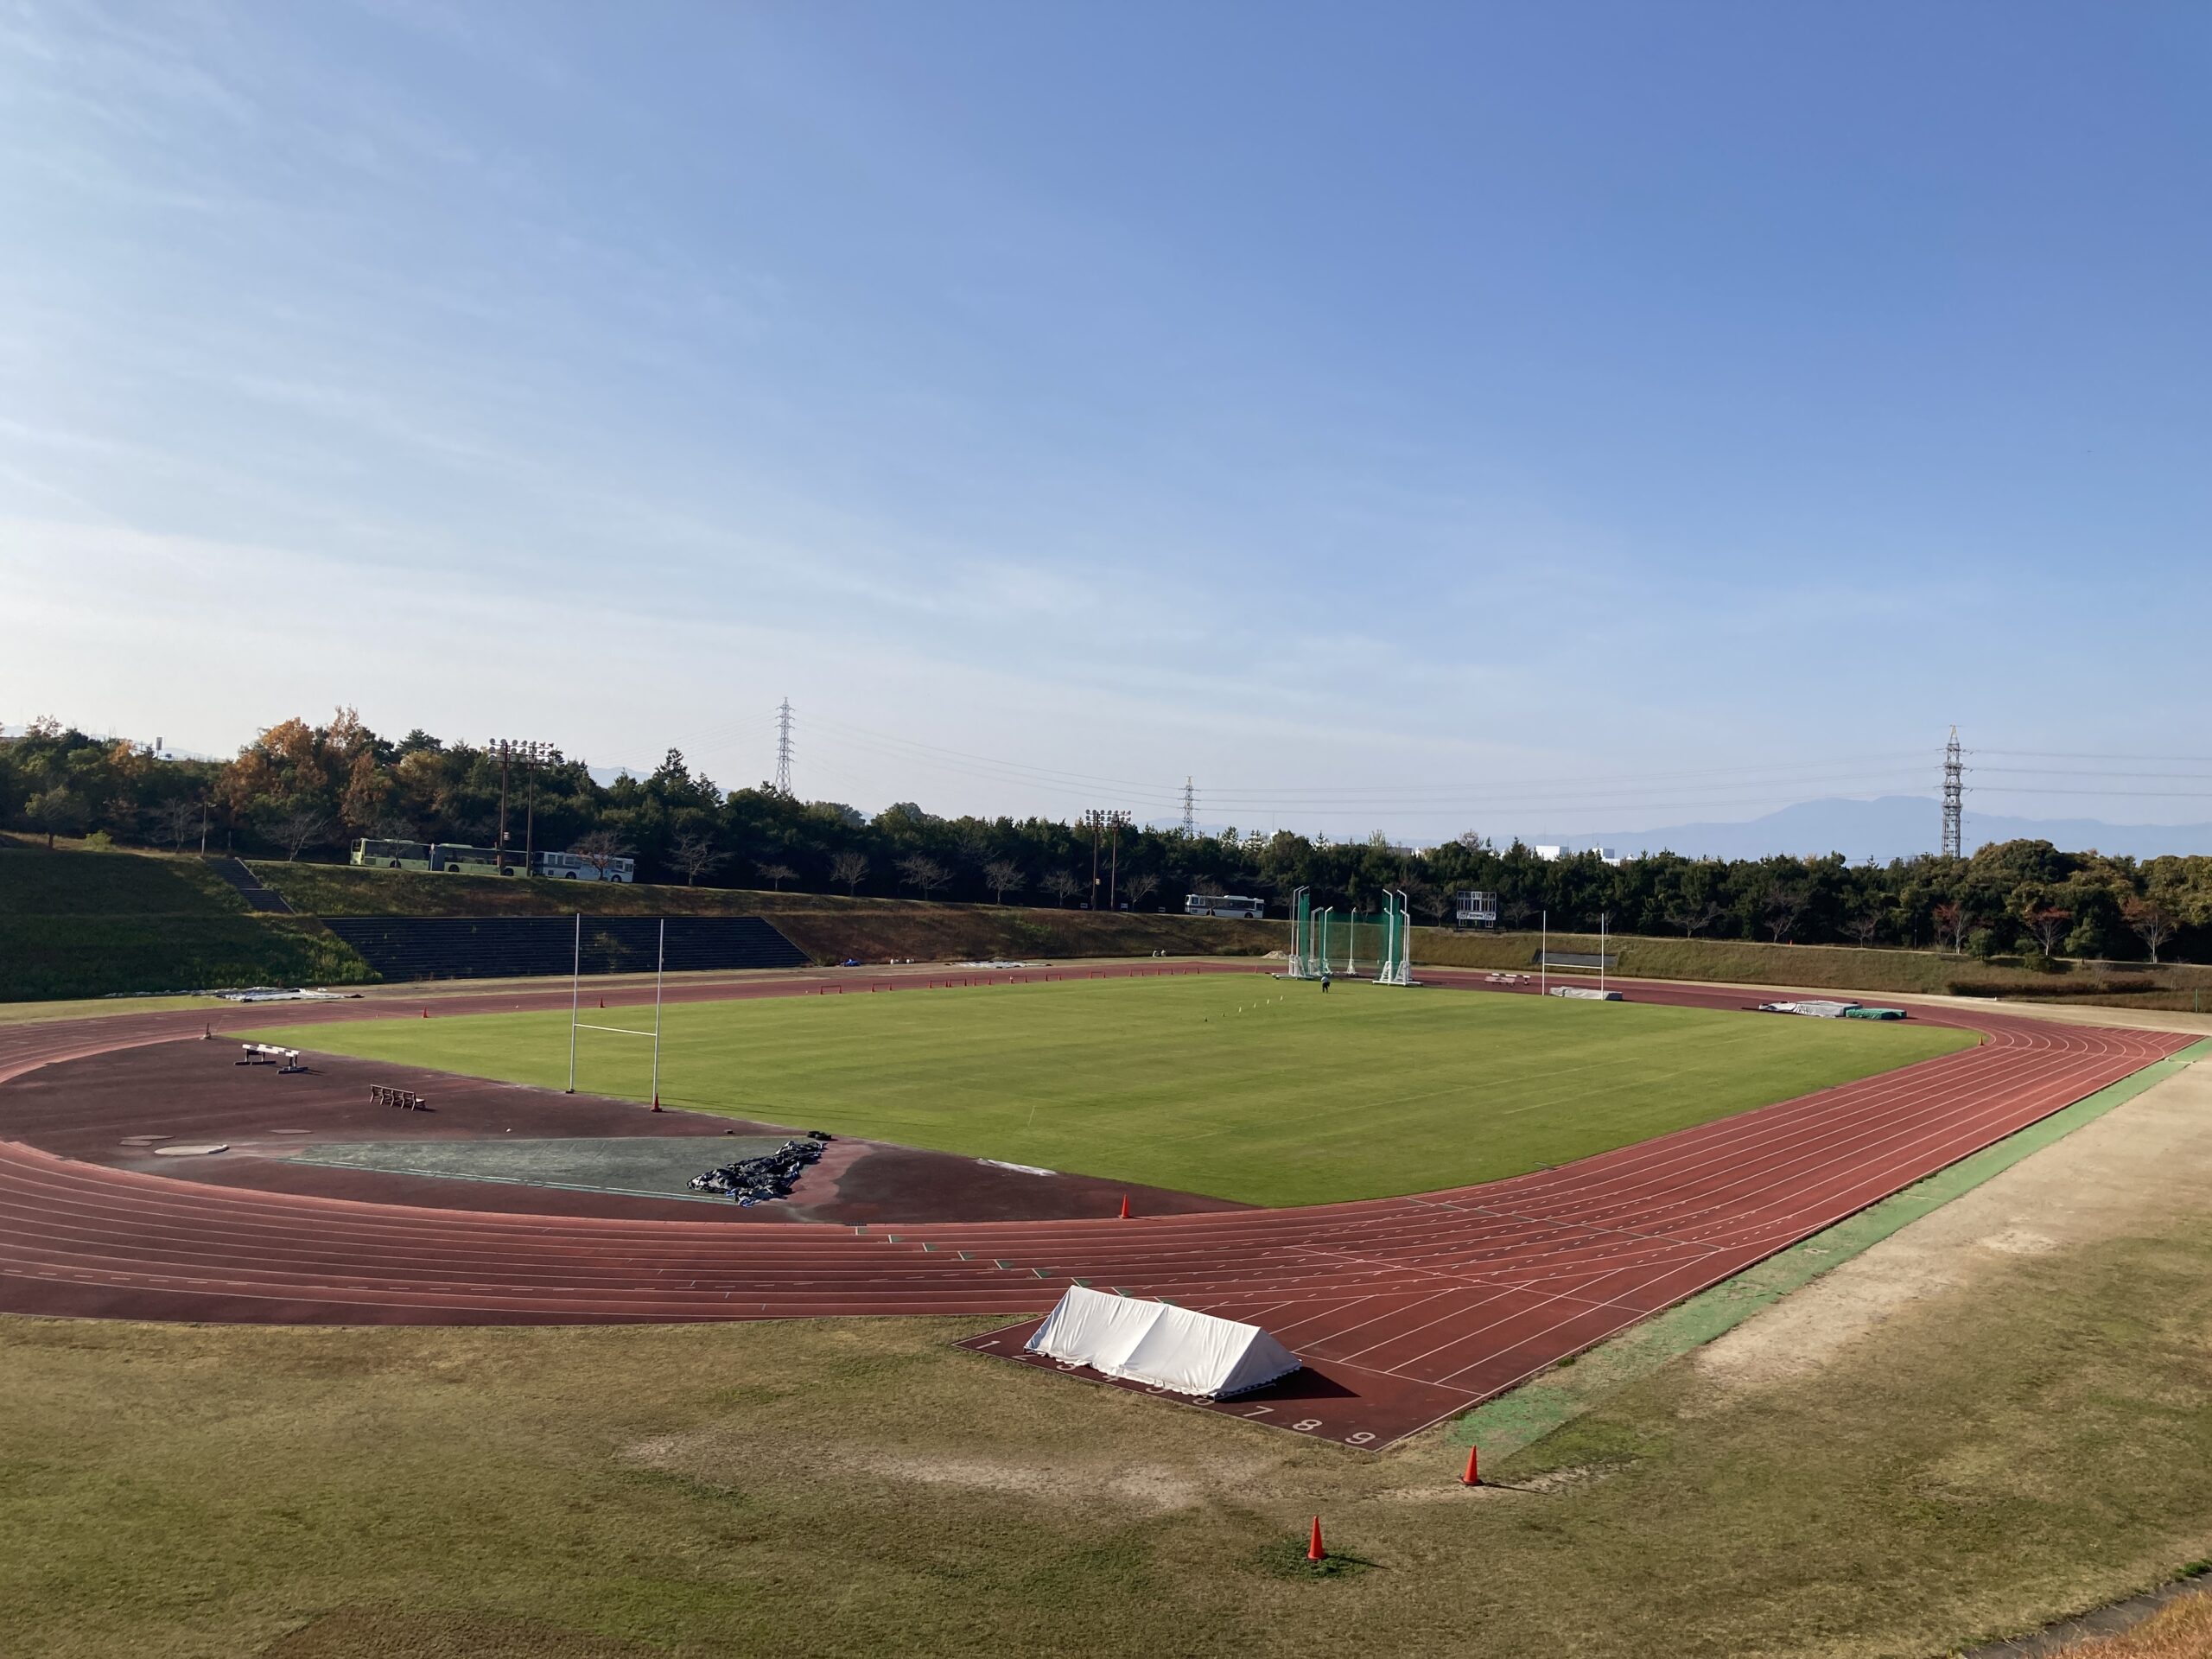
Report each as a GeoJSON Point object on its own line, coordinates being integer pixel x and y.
{"type": "Point", "coordinates": [1467, 1290]}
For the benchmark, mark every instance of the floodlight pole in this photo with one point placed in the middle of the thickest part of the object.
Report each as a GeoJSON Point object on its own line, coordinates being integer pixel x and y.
{"type": "Point", "coordinates": [576, 998]}
{"type": "Point", "coordinates": [530, 752]}
{"type": "Point", "coordinates": [1115, 821]}
{"type": "Point", "coordinates": [660, 967]}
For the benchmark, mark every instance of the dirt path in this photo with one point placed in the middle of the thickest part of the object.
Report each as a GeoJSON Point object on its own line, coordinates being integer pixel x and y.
{"type": "Point", "coordinates": [2139, 1165]}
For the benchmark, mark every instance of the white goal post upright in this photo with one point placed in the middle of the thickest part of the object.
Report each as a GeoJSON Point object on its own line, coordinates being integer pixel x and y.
{"type": "Point", "coordinates": [576, 997]}
{"type": "Point", "coordinates": [660, 969]}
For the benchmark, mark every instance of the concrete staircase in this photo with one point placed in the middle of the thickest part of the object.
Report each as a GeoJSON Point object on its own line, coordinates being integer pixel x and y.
{"type": "Point", "coordinates": [236, 872]}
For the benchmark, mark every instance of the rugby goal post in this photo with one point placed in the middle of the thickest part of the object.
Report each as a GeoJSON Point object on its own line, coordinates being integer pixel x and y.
{"type": "Point", "coordinates": [576, 1023]}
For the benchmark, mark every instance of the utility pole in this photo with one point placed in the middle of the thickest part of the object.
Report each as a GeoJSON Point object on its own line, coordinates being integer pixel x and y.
{"type": "Point", "coordinates": [784, 747]}
{"type": "Point", "coordinates": [1955, 795]}
{"type": "Point", "coordinates": [1190, 807]}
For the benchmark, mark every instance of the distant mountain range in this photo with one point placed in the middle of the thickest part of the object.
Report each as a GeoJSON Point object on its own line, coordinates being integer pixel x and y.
{"type": "Point", "coordinates": [1891, 826]}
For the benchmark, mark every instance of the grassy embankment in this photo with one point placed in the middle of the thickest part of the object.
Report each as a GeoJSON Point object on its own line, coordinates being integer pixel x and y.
{"type": "Point", "coordinates": [828, 927]}
{"type": "Point", "coordinates": [1827, 967]}
{"type": "Point", "coordinates": [93, 923]}
{"type": "Point", "coordinates": [1976, 1464]}
{"type": "Point", "coordinates": [1240, 1086]}
{"type": "Point", "coordinates": [85, 924]}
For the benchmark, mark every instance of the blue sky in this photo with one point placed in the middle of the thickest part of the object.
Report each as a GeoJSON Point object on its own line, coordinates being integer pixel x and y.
{"type": "Point", "coordinates": [1544, 419]}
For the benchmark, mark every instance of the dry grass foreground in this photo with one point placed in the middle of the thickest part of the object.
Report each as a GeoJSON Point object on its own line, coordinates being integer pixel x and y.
{"type": "Point", "coordinates": [2180, 1630]}
{"type": "Point", "coordinates": [2023, 1435]}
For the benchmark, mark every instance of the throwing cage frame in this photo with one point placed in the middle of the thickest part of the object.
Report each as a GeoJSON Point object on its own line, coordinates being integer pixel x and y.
{"type": "Point", "coordinates": [575, 1004]}
{"type": "Point", "coordinates": [1321, 939]}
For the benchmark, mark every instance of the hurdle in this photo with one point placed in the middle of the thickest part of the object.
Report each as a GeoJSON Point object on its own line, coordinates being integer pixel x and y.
{"type": "Point", "coordinates": [575, 1002]}
{"type": "Point", "coordinates": [286, 1060]}
{"type": "Point", "coordinates": [405, 1099]}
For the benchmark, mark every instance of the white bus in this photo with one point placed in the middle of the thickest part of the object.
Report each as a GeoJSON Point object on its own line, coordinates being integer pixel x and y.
{"type": "Point", "coordinates": [575, 866]}
{"type": "Point", "coordinates": [454, 859]}
{"type": "Point", "coordinates": [1215, 904]}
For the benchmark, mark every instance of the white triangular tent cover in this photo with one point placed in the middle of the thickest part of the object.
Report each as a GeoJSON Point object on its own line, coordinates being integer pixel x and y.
{"type": "Point", "coordinates": [1165, 1347]}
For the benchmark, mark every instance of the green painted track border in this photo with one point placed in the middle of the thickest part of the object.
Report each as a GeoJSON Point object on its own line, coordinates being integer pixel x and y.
{"type": "Point", "coordinates": [1505, 1425]}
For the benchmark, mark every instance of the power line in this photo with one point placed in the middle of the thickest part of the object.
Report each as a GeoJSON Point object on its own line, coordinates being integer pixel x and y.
{"type": "Point", "coordinates": [1490, 803]}
{"type": "Point", "coordinates": [2074, 772]}
{"type": "Point", "coordinates": [2108, 794]}
{"type": "Point", "coordinates": [1750, 785]}
{"type": "Point", "coordinates": [1779, 775]}
{"type": "Point", "coordinates": [2054, 754]}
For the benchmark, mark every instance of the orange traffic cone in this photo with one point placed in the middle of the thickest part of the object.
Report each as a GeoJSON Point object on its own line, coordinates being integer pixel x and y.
{"type": "Point", "coordinates": [1313, 1550]}
{"type": "Point", "coordinates": [1125, 1206]}
{"type": "Point", "coordinates": [1473, 1476]}
{"type": "Point", "coordinates": [426, 1013]}
{"type": "Point", "coordinates": [656, 1102]}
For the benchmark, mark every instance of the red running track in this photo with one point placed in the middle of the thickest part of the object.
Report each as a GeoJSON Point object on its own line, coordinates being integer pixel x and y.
{"type": "Point", "coordinates": [1404, 1309]}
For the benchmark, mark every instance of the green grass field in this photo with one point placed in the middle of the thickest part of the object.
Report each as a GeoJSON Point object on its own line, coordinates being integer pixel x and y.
{"type": "Point", "coordinates": [1240, 1086]}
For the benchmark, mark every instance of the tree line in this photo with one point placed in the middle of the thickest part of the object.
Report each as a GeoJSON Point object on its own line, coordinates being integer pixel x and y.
{"type": "Point", "coordinates": [300, 790]}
